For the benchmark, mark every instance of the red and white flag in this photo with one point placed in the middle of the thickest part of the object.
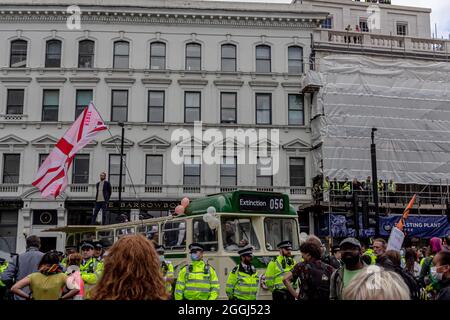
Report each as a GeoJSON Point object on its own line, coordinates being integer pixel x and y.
{"type": "Point", "coordinates": [52, 176]}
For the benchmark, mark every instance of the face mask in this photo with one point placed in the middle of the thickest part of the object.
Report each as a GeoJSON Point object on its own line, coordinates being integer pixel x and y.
{"type": "Point", "coordinates": [161, 258]}
{"type": "Point", "coordinates": [350, 260]}
{"type": "Point", "coordinates": [436, 275]}
{"type": "Point", "coordinates": [195, 257]}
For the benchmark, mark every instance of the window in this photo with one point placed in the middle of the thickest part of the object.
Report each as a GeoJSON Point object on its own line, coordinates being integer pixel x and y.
{"type": "Point", "coordinates": [263, 59]}
{"type": "Point", "coordinates": [191, 171]}
{"type": "Point", "coordinates": [363, 25]}
{"type": "Point", "coordinates": [156, 106]}
{"type": "Point", "coordinates": [84, 97]}
{"type": "Point", "coordinates": [114, 170]}
{"type": "Point", "coordinates": [8, 230]}
{"type": "Point", "coordinates": [80, 169]}
{"type": "Point", "coordinates": [193, 56]}
{"type": "Point", "coordinates": [151, 231]}
{"type": "Point", "coordinates": [86, 54]}
{"type": "Point", "coordinates": [228, 107]}
{"type": "Point", "coordinates": [228, 57]}
{"type": "Point", "coordinates": [263, 108]}
{"type": "Point", "coordinates": [295, 60]}
{"type": "Point", "coordinates": [204, 235]}
{"type": "Point", "coordinates": [327, 23]}
{"type": "Point", "coordinates": [50, 105]}
{"type": "Point", "coordinates": [264, 174]}
{"type": "Point", "coordinates": [157, 56]}
{"type": "Point", "coordinates": [238, 233]}
{"type": "Point", "coordinates": [154, 170]}
{"type": "Point", "coordinates": [11, 168]}
{"type": "Point", "coordinates": [53, 54]}
{"type": "Point", "coordinates": [297, 172]}
{"type": "Point", "coordinates": [18, 56]}
{"type": "Point", "coordinates": [295, 106]}
{"type": "Point", "coordinates": [192, 106]}
{"type": "Point", "coordinates": [42, 157]}
{"type": "Point", "coordinates": [278, 230]}
{"type": "Point", "coordinates": [402, 29]}
{"type": "Point", "coordinates": [174, 235]}
{"type": "Point", "coordinates": [119, 105]}
{"type": "Point", "coordinates": [14, 104]}
{"type": "Point", "coordinates": [121, 55]}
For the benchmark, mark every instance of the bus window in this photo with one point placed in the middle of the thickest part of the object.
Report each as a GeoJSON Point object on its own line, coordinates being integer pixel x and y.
{"type": "Point", "coordinates": [150, 231]}
{"type": "Point", "coordinates": [124, 231]}
{"type": "Point", "coordinates": [70, 241]}
{"type": "Point", "coordinates": [204, 235]}
{"type": "Point", "coordinates": [174, 235]}
{"type": "Point", "coordinates": [238, 233]}
{"type": "Point", "coordinates": [278, 230]}
{"type": "Point", "coordinates": [106, 237]}
{"type": "Point", "coordinates": [88, 236]}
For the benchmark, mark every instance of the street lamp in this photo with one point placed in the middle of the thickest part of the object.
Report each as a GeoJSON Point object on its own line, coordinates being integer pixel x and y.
{"type": "Point", "coordinates": [122, 125]}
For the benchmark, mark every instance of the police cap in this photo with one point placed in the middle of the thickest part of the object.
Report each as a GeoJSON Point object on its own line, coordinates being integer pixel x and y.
{"type": "Point", "coordinates": [247, 250]}
{"type": "Point", "coordinates": [285, 245]}
{"type": "Point", "coordinates": [87, 245]}
{"type": "Point", "coordinates": [159, 248]}
{"type": "Point", "coordinates": [195, 247]}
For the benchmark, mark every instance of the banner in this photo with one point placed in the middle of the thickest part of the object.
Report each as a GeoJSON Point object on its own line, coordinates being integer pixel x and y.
{"type": "Point", "coordinates": [335, 225]}
{"type": "Point", "coordinates": [417, 226]}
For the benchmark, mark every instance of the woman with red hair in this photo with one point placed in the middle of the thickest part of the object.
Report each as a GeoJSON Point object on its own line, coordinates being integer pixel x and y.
{"type": "Point", "coordinates": [131, 272]}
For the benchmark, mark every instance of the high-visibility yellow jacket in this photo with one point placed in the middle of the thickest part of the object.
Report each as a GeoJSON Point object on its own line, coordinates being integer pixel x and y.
{"type": "Point", "coordinates": [168, 272]}
{"type": "Point", "coordinates": [197, 281]}
{"type": "Point", "coordinates": [392, 187]}
{"type": "Point", "coordinates": [380, 186]}
{"type": "Point", "coordinates": [326, 185]}
{"type": "Point", "coordinates": [276, 270]}
{"type": "Point", "coordinates": [372, 255]}
{"type": "Point", "coordinates": [3, 267]}
{"type": "Point", "coordinates": [91, 271]}
{"type": "Point", "coordinates": [242, 284]}
{"type": "Point", "coordinates": [347, 187]}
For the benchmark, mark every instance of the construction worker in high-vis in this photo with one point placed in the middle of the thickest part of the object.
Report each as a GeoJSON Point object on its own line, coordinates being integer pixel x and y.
{"type": "Point", "coordinates": [167, 270]}
{"type": "Point", "coordinates": [277, 269]}
{"type": "Point", "coordinates": [197, 280]}
{"type": "Point", "coordinates": [243, 281]}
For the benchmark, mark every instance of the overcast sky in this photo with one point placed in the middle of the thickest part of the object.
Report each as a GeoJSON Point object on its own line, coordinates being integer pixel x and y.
{"type": "Point", "coordinates": [440, 14]}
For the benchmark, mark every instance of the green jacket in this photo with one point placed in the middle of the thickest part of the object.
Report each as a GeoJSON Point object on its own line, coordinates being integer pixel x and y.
{"type": "Point", "coordinates": [276, 270]}
{"type": "Point", "coordinates": [242, 284]}
{"type": "Point", "coordinates": [3, 267]}
{"type": "Point", "coordinates": [197, 281]}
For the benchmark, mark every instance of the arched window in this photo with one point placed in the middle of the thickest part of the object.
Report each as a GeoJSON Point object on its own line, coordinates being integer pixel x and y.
{"type": "Point", "coordinates": [157, 56]}
{"type": "Point", "coordinates": [295, 60]}
{"type": "Point", "coordinates": [228, 57]}
{"type": "Point", "coordinates": [193, 56]}
{"type": "Point", "coordinates": [86, 49]}
{"type": "Point", "coordinates": [121, 55]}
{"type": "Point", "coordinates": [18, 56]}
{"type": "Point", "coordinates": [53, 54]}
{"type": "Point", "coordinates": [263, 59]}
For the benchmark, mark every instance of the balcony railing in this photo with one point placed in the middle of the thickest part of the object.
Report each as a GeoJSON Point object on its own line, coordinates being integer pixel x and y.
{"type": "Point", "coordinates": [8, 188]}
{"type": "Point", "coordinates": [153, 189]}
{"type": "Point", "coordinates": [76, 188]}
{"type": "Point", "coordinates": [366, 40]}
{"type": "Point", "coordinates": [13, 117]}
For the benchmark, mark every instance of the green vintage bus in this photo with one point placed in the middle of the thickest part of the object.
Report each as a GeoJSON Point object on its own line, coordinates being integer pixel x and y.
{"type": "Point", "coordinates": [261, 219]}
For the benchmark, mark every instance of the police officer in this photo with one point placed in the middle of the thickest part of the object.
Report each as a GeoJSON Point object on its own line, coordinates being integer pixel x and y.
{"type": "Point", "coordinates": [167, 269]}
{"type": "Point", "coordinates": [89, 268]}
{"type": "Point", "coordinates": [277, 269]}
{"type": "Point", "coordinates": [243, 281]}
{"type": "Point", "coordinates": [98, 255]}
{"type": "Point", "coordinates": [197, 280]}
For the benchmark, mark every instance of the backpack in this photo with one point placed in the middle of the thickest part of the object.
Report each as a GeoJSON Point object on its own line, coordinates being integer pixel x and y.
{"type": "Point", "coordinates": [315, 281]}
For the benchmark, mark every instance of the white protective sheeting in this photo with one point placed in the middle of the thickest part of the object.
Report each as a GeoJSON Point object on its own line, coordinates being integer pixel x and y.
{"type": "Point", "coordinates": [409, 103]}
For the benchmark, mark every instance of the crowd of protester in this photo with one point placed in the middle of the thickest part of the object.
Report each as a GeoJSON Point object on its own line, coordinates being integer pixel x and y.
{"type": "Point", "coordinates": [134, 268]}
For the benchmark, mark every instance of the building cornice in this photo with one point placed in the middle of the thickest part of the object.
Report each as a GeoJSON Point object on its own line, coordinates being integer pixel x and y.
{"type": "Point", "coordinates": [288, 20]}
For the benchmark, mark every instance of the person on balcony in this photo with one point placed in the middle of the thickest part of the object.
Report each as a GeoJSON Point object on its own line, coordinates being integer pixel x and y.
{"type": "Point", "coordinates": [102, 196]}
{"type": "Point", "coordinates": [347, 187]}
{"type": "Point", "coordinates": [392, 189]}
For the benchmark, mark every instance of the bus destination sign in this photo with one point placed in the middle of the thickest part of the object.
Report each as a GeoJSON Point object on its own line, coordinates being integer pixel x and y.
{"type": "Point", "coordinates": [271, 203]}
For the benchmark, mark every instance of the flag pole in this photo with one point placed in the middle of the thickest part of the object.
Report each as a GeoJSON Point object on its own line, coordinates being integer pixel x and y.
{"type": "Point", "coordinates": [122, 125]}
